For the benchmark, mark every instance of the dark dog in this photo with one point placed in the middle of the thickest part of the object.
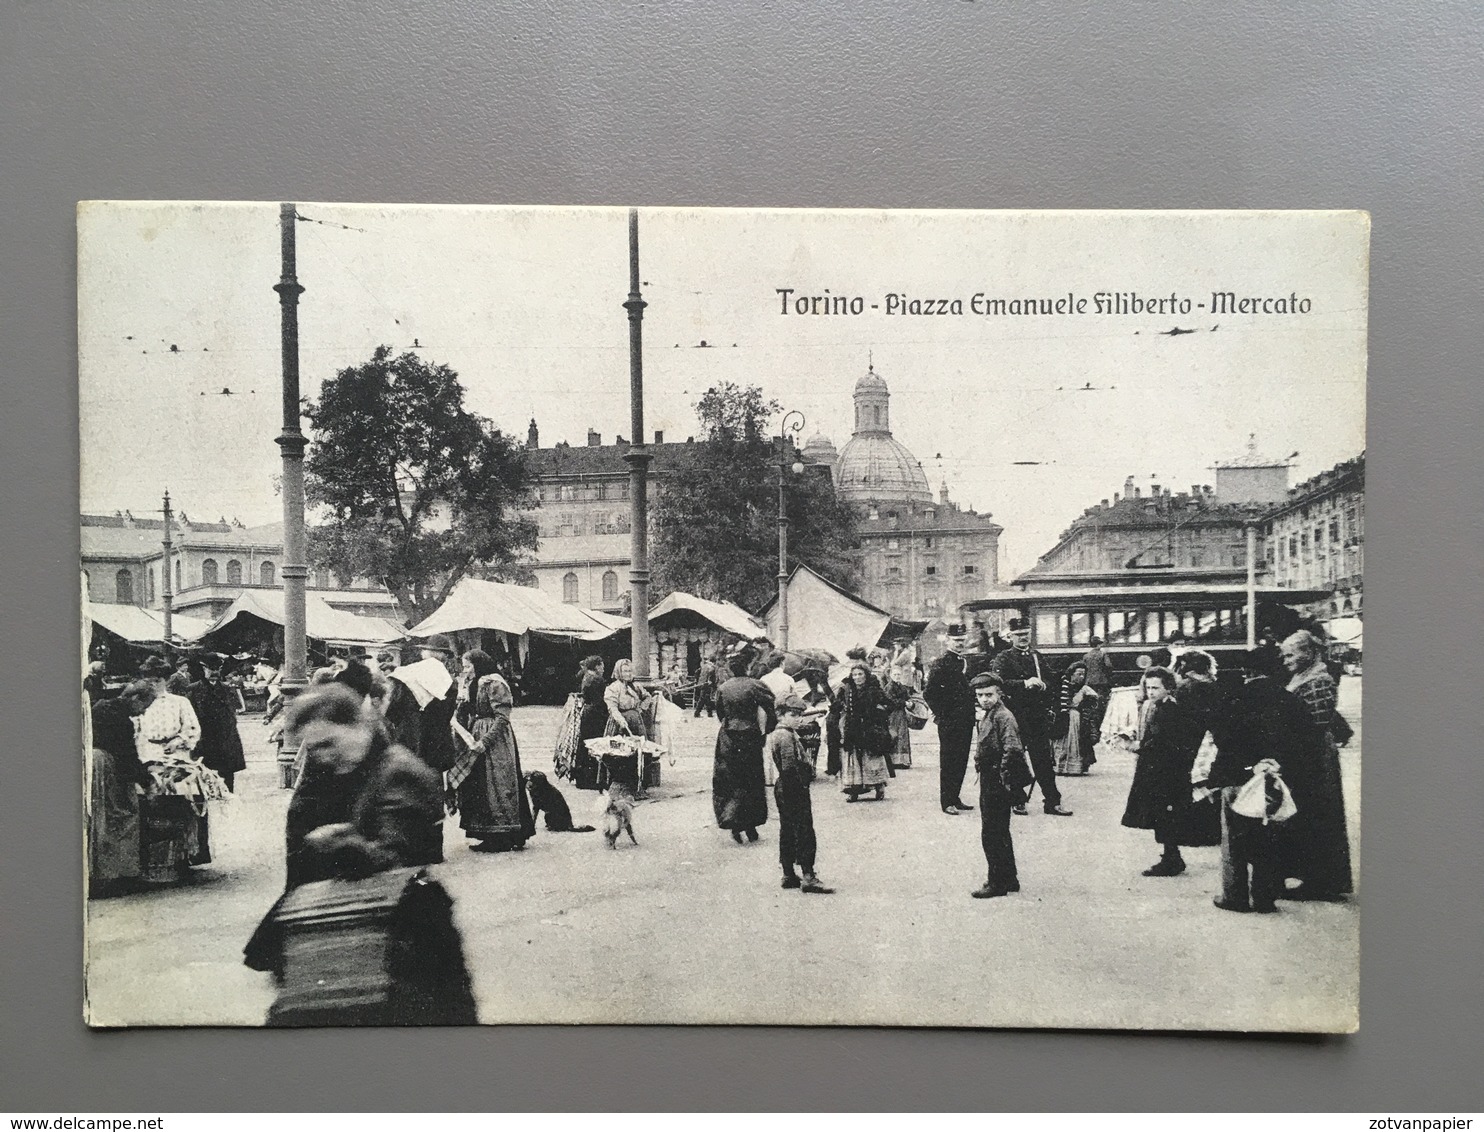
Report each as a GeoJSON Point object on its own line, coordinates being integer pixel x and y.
{"type": "Point", "coordinates": [545, 796]}
{"type": "Point", "coordinates": [618, 815]}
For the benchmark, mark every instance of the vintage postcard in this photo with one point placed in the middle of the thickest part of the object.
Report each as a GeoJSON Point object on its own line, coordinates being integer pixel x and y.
{"type": "Point", "coordinates": [607, 615]}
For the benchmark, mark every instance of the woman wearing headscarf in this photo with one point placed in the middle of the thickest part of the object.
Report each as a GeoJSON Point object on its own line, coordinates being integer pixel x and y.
{"type": "Point", "coordinates": [860, 725]}
{"type": "Point", "coordinates": [896, 676]}
{"type": "Point", "coordinates": [486, 776]}
{"type": "Point", "coordinates": [173, 814]}
{"type": "Point", "coordinates": [630, 707]}
{"type": "Point", "coordinates": [1321, 842]}
{"type": "Point", "coordinates": [117, 776]}
{"type": "Point", "coordinates": [1078, 720]}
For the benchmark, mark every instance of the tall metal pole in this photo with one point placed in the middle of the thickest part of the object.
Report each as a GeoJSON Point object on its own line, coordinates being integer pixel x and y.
{"type": "Point", "coordinates": [166, 594]}
{"type": "Point", "coordinates": [1251, 585]}
{"type": "Point", "coordinates": [793, 421]}
{"type": "Point", "coordinates": [782, 549]}
{"type": "Point", "coordinates": [291, 445]}
{"type": "Point", "coordinates": [638, 460]}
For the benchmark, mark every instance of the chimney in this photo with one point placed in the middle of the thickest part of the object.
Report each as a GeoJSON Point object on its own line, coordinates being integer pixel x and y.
{"type": "Point", "coordinates": [1102, 504]}
{"type": "Point", "coordinates": [1115, 499]}
{"type": "Point", "coordinates": [1136, 490]}
{"type": "Point", "coordinates": [620, 441]}
{"type": "Point", "coordinates": [659, 437]}
{"type": "Point", "coordinates": [1154, 490]}
{"type": "Point", "coordinates": [1128, 488]}
{"type": "Point", "coordinates": [533, 440]}
{"type": "Point", "coordinates": [1195, 489]}
{"type": "Point", "coordinates": [594, 438]}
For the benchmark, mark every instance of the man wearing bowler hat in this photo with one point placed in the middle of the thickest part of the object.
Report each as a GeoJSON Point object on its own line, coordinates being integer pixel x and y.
{"type": "Point", "coordinates": [1026, 680]}
{"type": "Point", "coordinates": [215, 704]}
{"type": "Point", "coordinates": [947, 693]}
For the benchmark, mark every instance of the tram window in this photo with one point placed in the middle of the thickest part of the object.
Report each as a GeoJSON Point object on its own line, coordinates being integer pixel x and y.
{"type": "Point", "coordinates": [1080, 629]}
{"type": "Point", "coordinates": [1153, 633]}
{"type": "Point", "coordinates": [1049, 629]}
{"type": "Point", "coordinates": [1207, 623]}
{"type": "Point", "coordinates": [1117, 626]}
{"type": "Point", "coordinates": [1189, 624]}
{"type": "Point", "coordinates": [1099, 624]}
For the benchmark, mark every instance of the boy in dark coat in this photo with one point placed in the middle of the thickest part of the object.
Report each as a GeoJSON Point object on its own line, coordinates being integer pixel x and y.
{"type": "Point", "coordinates": [796, 841]}
{"type": "Point", "coordinates": [999, 757]}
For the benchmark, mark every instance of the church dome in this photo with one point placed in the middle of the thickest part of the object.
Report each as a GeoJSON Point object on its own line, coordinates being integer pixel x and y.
{"type": "Point", "coordinates": [874, 467]}
{"type": "Point", "coordinates": [820, 449]}
{"type": "Point", "coordinates": [877, 468]}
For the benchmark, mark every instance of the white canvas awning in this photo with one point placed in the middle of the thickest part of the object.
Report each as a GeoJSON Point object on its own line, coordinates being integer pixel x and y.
{"type": "Point", "coordinates": [822, 615]}
{"type": "Point", "coordinates": [723, 614]}
{"type": "Point", "coordinates": [145, 626]}
{"type": "Point", "coordinates": [1345, 631]}
{"type": "Point", "coordinates": [517, 610]}
{"type": "Point", "coordinates": [322, 622]}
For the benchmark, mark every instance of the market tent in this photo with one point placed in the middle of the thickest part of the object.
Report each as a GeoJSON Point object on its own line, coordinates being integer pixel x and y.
{"type": "Point", "coordinates": [145, 626]}
{"type": "Point", "coordinates": [822, 615]}
{"type": "Point", "coordinates": [1345, 631]}
{"type": "Point", "coordinates": [516, 610]}
{"type": "Point", "coordinates": [613, 621]}
{"type": "Point", "coordinates": [322, 622]}
{"type": "Point", "coordinates": [723, 614]}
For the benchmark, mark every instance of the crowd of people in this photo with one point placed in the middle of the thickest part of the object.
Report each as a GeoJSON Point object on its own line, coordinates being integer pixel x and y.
{"type": "Point", "coordinates": [386, 754]}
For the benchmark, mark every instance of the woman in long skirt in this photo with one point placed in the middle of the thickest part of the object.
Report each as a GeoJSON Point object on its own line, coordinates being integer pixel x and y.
{"type": "Point", "coordinates": [493, 806]}
{"type": "Point", "coordinates": [117, 774]}
{"type": "Point", "coordinates": [739, 793]}
{"type": "Point", "coordinates": [1074, 750]}
{"type": "Point", "coordinates": [860, 726]}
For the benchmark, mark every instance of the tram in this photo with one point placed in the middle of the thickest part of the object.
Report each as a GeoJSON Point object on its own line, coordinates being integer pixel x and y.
{"type": "Point", "coordinates": [1135, 619]}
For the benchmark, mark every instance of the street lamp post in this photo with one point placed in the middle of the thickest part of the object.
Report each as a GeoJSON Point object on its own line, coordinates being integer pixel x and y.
{"type": "Point", "coordinates": [638, 461]}
{"type": "Point", "coordinates": [793, 422]}
{"type": "Point", "coordinates": [167, 599]}
{"type": "Point", "coordinates": [291, 446]}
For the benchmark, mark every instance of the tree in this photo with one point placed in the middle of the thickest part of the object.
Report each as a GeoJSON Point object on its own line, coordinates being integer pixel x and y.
{"type": "Point", "coordinates": [716, 521]}
{"type": "Point", "coordinates": [420, 492]}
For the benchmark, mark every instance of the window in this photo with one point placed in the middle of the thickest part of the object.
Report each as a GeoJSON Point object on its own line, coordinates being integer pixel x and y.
{"type": "Point", "coordinates": [928, 542]}
{"type": "Point", "coordinates": [569, 493]}
{"type": "Point", "coordinates": [892, 515]}
{"type": "Point", "coordinates": [893, 573]}
{"type": "Point", "coordinates": [930, 513]}
{"type": "Point", "coordinates": [150, 583]}
{"type": "Point", "coordinates": [1293, 546]}
{"type": "Point", "coordinates": [234, 572]}
{"type": "Point", "coordinates": [893, 544]}
{"type": "Point", "coordinates": [208, 571]}
{"type": "Point", "coordinates": [932, 569]}
{"type": "Point", "coordinates": [123, 587]}
{"type": "Point", "coordinates": [874, 512]}
{"type": "Point", "coordinates": [970, 568]}
{"type": "Point", "coordinates": [569, 589]}
{"type": "Point", "coordinates": [265, 574]}
{"type": "Point", "coordinates": [1334, 530]}
{"type": "Point", "coordinates": [178, 586]}
{"type": "Point", "coordinates": [1197, 559]}
{"type": "Point", "coordinates": [876, 413]}
{"type": "Point", "coordinates": [610, 586]}
{"type": "Point", "coordinates": [933, 605]}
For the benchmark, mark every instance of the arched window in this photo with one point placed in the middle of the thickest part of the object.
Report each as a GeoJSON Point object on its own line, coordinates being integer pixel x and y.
{"type": "Point", "coordinates": [178, 585]}
{"type": "Point", "coordinates": [149, 581]}
{"type": "Point", "coordinates": [569, 589]}
{"type": "Point", "coordinates": [234, 572]}
{"type": "Point", "coordinates": [265, 574]}
{"type": "Point", "coordinates": [610, 586]}
{"type": "Point", "coordinates": [208, 571]}
{"type": "Point", "coordinates": [123, 587]}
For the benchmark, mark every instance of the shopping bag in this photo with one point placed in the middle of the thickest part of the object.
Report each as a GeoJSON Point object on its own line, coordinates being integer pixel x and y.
{"type": "Point", "coordinates": [1265, 797]}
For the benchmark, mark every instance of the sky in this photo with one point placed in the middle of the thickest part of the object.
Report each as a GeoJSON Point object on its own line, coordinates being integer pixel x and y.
{"type": "Point", "coordinates": [1029, 418]}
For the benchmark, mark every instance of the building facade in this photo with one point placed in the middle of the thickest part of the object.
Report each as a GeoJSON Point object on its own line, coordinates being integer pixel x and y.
{"type": "Point", "coordinates": [123, 562]}
{"type": "Point", "coordinates": [1316, 537]}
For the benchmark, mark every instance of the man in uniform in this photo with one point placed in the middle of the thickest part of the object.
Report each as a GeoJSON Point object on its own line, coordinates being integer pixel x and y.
{"type": "Point", "coordinates": [1025, 680]}
{"type": "Point", "coordinates": [999, 757]}
{"type": "Point", "coordinates": [952, 702]}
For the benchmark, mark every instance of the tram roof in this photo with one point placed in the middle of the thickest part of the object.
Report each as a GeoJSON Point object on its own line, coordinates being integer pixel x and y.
{"type": "Point", "coordinates": [1145, 595]}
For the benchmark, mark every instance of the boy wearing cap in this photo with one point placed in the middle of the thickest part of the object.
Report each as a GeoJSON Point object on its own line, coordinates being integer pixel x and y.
{"type": "Point", "coordinates": [796, 842]}
{"type": "Point", "coordinates": [999, 757]}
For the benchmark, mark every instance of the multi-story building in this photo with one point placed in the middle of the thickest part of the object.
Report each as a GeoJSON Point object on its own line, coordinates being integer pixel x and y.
{"type": "Point", "coordinates": [920, 557]}
{"type": "Point", "coordinates": [1202, 530]}
{"type": "Point", "coordinates": [583, 516]}
{"type": "Point", "coordinates": [123, 560]}
{"type": "Point", "coordinates": [1316, 537]}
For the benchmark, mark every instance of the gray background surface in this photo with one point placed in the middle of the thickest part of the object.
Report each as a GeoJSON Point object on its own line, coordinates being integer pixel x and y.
{"type": "Point", "coordinates": [921, 103]}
